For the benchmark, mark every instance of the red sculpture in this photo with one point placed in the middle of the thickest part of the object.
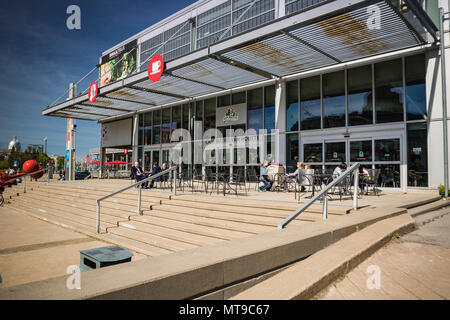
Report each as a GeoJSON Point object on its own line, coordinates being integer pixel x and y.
{"type": "Point", "coordinates": [29, 166]}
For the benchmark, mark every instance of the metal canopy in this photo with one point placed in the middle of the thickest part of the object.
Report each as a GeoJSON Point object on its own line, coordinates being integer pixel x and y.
{"type": "Point", "coordinates": [337, 31]}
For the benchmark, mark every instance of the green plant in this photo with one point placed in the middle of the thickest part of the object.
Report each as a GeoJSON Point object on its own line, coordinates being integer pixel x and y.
{"type": "Point", "coordinates": [442, 190]}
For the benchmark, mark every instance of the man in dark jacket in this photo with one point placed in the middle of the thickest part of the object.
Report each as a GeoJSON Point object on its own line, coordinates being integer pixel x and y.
{"type": "Point", "coordinates": [156, 170]}
{"type": "Point", "coordinates": [138, 174]}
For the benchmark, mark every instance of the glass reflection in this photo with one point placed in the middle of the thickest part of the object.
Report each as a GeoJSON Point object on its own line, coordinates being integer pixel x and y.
{"type": "Point", "coordinates": [310, 103]}
{"type": "Point", "coordinates": [360, 96]}
{"type": "Point", "coordinates": [389, 91]}
{"type": "Point", "coordinates": [333, 99]}
{"type": "Point", "coordinates": [416, 107]}
{"type": "Point", "coordinates": [292, 106]}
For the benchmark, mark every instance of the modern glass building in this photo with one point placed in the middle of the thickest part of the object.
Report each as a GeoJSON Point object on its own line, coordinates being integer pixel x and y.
{"type": "Point", "coordinates": [327, 82]}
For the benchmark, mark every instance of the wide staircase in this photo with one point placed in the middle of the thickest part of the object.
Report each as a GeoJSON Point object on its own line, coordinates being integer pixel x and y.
{"type": "Point", "coordinates": [168, 224]}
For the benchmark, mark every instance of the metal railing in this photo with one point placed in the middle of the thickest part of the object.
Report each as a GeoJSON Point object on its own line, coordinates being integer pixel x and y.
{"type": "Point", "coordinates": [324, 193]}
{"type": "Point", "coordinates": [23, 178]}
{"type": "Point", "coordinates": [139, 185]}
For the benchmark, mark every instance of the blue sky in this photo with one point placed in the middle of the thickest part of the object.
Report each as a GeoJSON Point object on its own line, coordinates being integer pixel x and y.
{"type": "Point", "coordinates": [39, 57]}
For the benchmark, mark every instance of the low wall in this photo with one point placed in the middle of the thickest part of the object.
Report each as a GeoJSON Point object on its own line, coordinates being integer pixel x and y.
{"type": "Point", "coordinates": [196, 272]}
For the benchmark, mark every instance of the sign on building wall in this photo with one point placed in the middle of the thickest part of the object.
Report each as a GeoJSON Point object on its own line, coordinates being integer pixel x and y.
{"type": "Point", "coordinates": [231, 115]}
{"type": "Point", "coordinates": [118, 64]}
{"type": "Point", "coordinates": [117, 133]}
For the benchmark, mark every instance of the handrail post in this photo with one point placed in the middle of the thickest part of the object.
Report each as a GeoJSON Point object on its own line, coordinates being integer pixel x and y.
{"type": "Point", "coordinates": [25, 184]}
{"type": "Point", "coordinates": [139, 199]}
{"type": "Point", "coordinates": [174, 188]}
{"type": "Point", "coordinates": [98, 217]}
{"type": "Point", "coordinates": [325, 206]}
{"type": "Point", "coordinates": [356, 189]}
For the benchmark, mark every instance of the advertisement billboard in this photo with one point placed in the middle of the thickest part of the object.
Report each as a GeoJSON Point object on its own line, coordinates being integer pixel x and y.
{"type": "Point", "coordinates": [118, 64]}
{"type": "Point", "coordinates": [117, 133]}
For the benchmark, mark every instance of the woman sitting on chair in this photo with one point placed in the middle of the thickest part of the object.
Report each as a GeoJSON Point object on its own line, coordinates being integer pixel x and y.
{"type": "Point", "coordinates": [292, 177]}
{"type": "Point", "coordinates": [264, 178]}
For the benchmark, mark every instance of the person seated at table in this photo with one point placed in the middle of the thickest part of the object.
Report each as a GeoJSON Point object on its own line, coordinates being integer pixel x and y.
{"type": "Point", "coordinates": [364, 177]}
{"type": "Point", "coordinates": [264, 178]}
{"type": "Point", "coordinates": [138, 174]}
{"type": "Point", "coordinates": [340, 169]}
{"type": "Point", "coordinates": [156, 170]}
{"type": "Point", "coordinates": [164, 177]}
{"type": "Point", "coordinates": [292, 176]}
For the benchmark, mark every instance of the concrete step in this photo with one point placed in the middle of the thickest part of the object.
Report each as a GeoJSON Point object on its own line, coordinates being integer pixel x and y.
{"type": "Point", "coordinates": [124, 198]}
{"type": "Point", "coordinates": [304, 279]}
{"type": "Point", "coordinates": [228, 216]}
{"type": "Point", "coordinates": [77, 208]}
{"type": "Point", "coordinates": [89, 230]}
{"type": "Point", "coordinates": [151, 239]}
{"type": "Point", "coordinates": [428, 217]}
{"type": "Point", "coordinates": [254, 211]}
{"type": "Point", "coordinates": [279, 206]}
{"type": "Point", "coordinates": [211, 222]}
{"type": "Point", "coordinates": [179, 225]}
{"type": "Point", "coordinates": [75, 223]}
{"type": "Point", "coordinates": [428, 207]}
{"type": "Point", "coordinates": [187, 237]}
{"type": "Point", "coordinates": [102, 191]}
{"type": "Point", "coordinates": [70, 210]}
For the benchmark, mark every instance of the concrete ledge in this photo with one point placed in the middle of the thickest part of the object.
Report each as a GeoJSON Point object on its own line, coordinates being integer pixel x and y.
{"type": "Point", "coordinates": [306, 278]}
{"type": "Point", "coordinates": [414, 212]}
{"type": "Point", "coordinates": [195, 272]}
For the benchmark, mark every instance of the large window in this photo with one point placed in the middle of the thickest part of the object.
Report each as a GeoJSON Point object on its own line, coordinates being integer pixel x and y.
{"type": "Point", "coordinates": [141, 130]}
{"type": "Point", "coordinates": [210, 113]}
{"type": "Point", "coordinates": [335, 152]}
{"type": "Point", "coordinates": [333, 99]}
{"type": "Point", "coordinates": [417, 154]}
{"type": "Point", "coordinates": [166, 126]}
{"type": "Point", "coordinates": [156, 127]}
{"type": "Point", "coordinates": [360, 96]}
{"type": "Point", "coordinates": [312, 152]}
{"type": "Point", "coordinates": [292, 106]}
{"type": "Point", "coordinates": [269, 108]}
{"type": "Point", "coordinates": [387, 150]}
{"type": "Point", "coordinates": [310, 103]}
{"type": "Point", "coordinates": [361, 151]}
{"type": "Point", "coordinates": [389, 91]}
{"type": "Point", "coordinates": [255, 109]}
{"type": "Point", "coordinates": [416, 107]}
{"type": "Point", "coordinates": [148, 117]}
{"type": "Point", "coordinates": [292, 154]}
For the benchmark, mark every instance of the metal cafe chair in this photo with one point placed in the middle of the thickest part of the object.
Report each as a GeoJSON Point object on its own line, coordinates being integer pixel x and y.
{"type": "Point", "coordinates": [199, 179]}
{"type": "Point", "coordinates": [371, 180]}
{"type": "Point", "coordinates": [252, 177]}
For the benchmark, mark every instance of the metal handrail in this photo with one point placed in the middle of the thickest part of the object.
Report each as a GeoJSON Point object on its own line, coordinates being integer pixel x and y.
{"type": "Point", "coordinates": [27, 175]}
{"type": "Point", "coordinates": [324, 193]}
{"type": "Point", "coordinates": [139, 184]}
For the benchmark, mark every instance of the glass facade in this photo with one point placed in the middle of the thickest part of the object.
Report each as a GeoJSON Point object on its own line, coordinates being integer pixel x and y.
{"type": "Point", "coordinates": [361, 151]}
{"type": "Point", "coordinates": [255, 109]}
{"type": "Point", "coordinates": [333, 85]}
{"type": "Point", "coordinates": [300, 5]}
{"type": "Point", "coordinates": [312, 152]}
{"type": "Point", "coordinates": [292, 106]}
{"type": "Point", "coordinates": [269, 108]}
{"type": "Point", "coordinates": [360, 96]}
{"type": "Point", "coordinates": [389, 91]}
{"type": "Point", "coordinates": [292, 152]}
{"type": "Point", "coordinates": [417, 154]}
{"type": "Point", "coordinates": [335, 152]}
{"type": "Point", "coordinates": [310, 103]}
{"type": "Point", "coordinates": [416, 107]}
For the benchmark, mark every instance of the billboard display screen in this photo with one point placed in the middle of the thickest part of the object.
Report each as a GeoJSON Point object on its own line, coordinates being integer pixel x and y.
{"type": "Point", "coordinates": [112, 68]}
{"type": "Point", "coordinates": [117, 133]}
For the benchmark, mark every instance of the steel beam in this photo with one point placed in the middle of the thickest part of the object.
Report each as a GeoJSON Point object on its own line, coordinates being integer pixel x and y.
{"type": "Point", "coordinates": [173, 95]}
